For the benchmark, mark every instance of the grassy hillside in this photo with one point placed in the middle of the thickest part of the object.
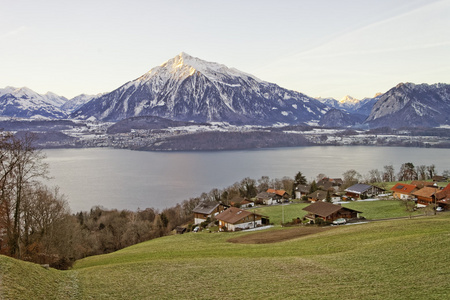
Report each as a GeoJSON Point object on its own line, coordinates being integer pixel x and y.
{"type": "Point", "coordinates": [371, 210]}
{"type": "Point", "coordinates": [398, 259]}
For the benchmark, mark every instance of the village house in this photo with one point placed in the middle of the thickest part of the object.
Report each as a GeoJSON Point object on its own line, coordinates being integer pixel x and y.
{"type": "Point", "coordinates": [280, 195]}
{"type": "Point", "coordinates": [301, 190]}
{"type": "Point", "coordinates": [320, 195]}
{"type": "Point", "coordinates": [241, 202]}
{"type": "Point", "coordinates": [329, 212]}
{"type": "Point", "coordinates": [265, 198]}
{"type": "Point", "coordinates": [206, 210]}
{"type": "Point", "coordinates": [426, 195]}
{"type": "Point", "coordinates": [438, 178]}
{"type": "Point", "coordinates": [235, 218]}
{"type": "Point", "coordinates": [421, 183]}
{"type": "Point", "coordinates": [362, 191]}
{"type": "Point", "coordinates": [328, 184]}
{"type": "Point", "coordinates": [403, 191]}
{"type": "Point", "coordinates": [443, 197]}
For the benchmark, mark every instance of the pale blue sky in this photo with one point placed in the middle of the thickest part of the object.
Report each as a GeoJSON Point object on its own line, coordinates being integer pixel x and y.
{"type": "Point", "coordinates": [319, 47]}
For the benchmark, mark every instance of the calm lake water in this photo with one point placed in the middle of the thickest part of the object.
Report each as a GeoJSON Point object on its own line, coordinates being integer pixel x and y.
{"type": "Point", "coordinates": [125, 179]}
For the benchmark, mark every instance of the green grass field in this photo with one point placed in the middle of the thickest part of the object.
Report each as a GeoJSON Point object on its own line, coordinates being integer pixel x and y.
{"type": "Point", "coordinates": [371, 210]}
{"type": "Point", "coordinates": [396, 259]}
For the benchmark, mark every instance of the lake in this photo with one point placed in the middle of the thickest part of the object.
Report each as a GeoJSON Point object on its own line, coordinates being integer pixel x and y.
{"type": "Point", "coordinates": [126, 179]}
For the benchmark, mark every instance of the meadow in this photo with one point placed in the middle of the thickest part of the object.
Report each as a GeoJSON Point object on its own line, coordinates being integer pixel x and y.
{"type": "Point", "coordinates": [394, 259]}
{"type": "Point", "coordinates": [371, 210]}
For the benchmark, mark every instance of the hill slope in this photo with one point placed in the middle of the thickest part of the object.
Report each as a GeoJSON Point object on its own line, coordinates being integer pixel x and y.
{"type": "Point", "coordinates": [401, 259]}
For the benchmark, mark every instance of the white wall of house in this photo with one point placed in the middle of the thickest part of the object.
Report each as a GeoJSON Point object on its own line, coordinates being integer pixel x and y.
{"type": "Point", "coordinates": [268, 201]}
{"type": "Point", "coordinates": [233, 227]}
{"type": "Point", "coordinates": [198, 221]}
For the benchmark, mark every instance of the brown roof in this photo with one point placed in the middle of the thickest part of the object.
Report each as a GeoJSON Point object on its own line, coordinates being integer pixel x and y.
{"type": "Point", "coordinates": [278, 192]}
{"type": "Point", "coordinates": [403, 188]}
{"type": "Point", "coordinates": [324, 209]}
{"type": "Point", "coordinates": [319, 195]}
{"type": "Point", "coordinates": [420, 183]}
{"type": "Point", "coordinates": [426, 192]}
{"type": "Point", "coordinates": [233, 215]}
{"type": "Point", "coordinates": [444, 194]}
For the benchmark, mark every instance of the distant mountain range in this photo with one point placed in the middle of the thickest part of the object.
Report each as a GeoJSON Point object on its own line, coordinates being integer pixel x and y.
{"type": "Point", "coordinates": [189, 89]}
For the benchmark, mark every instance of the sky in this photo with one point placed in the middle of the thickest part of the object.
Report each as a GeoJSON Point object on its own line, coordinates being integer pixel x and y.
{"type": "Point", "coordinates": [321, 48]}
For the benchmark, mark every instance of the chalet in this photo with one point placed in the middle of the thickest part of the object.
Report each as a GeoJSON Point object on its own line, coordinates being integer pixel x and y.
{"type": "Point", "coordinates": [361, 191]}
{"type": "Point", "coordinates": [329, 212]}
{"type": "Point", "coordinates": [237, 219]}
{"type": "Point", "coordinates": [421, 184]}
{"type": "Point", "coordinates": [328, 184]}
{"type": "Point", "coordinates": [301, 190]}
{"type": "Point", "coordinates": [241, 202]}
{"type": "Point", "coordinates": [265, 198]}
{"type": "Point", "coordinates": [438, 178]}
{"type": "Point", "coordinates": [403, 191]}
{"type": "Point", "coordinates": [206, 210]}
{"type": "Point", "coordinates": [280, 195]}
{"type": "Point", "coordinates": [426, 195]}
{"type": "Point", "coordinates": [320, 195]}
{"type": "Point", "coordinates": [443, 197]}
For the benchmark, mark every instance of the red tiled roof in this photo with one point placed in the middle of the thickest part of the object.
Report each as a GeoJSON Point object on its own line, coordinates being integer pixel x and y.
{"type": "Point", "coordinates": [403, 188]}
{"type": "Point", "coordinates": [278, 192]}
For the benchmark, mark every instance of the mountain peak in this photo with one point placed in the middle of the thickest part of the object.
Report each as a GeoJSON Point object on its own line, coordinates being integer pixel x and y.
{"type": "Point", "coordinates": [348, 99]}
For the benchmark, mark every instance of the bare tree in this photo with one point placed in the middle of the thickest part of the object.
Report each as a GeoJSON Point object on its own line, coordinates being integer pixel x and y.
{"type": "Point", "coordinates": [350, 177]}
{"type": "Point", "coordinates": [421, 172]}
{"type": "Point", "coordinates": [21, 167]}
{"type": "Point", "coordinates": [407, 172]}
{"type": "Point", "coordinates": [389, 173]}
{"type": "Point", "coordinates": [263, 183]}
{"type": "Point", "coordinates": [431, 171]}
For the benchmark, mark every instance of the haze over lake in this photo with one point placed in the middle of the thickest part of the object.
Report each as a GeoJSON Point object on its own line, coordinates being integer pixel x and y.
{"type": "Point", "coordinates": [125, 179]}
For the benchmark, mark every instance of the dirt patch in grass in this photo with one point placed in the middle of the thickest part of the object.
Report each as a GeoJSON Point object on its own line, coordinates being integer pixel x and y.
{"type": "Point", "coordinates": [274, 236]}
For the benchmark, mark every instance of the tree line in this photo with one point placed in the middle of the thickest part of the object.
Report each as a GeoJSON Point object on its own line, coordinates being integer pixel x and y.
{"type": "Point", "coordinates": [36, 223]}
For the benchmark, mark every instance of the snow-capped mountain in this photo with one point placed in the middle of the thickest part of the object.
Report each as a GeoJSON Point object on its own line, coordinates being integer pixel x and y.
{"type": "Point", "coordinates": [25, 103]}
{"type": "Point", "coordinates": [186, 88]}
{"type": "Point", "coordinates": [77, 102]}
{"type": "Point", "coordinates": [352, 105]}
{"type": "Point", "coordinates": [411, 105]}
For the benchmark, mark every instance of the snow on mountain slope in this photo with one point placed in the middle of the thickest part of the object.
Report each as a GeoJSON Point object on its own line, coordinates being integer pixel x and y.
{"type": "Point", "coordinates": [77, 102]}
{"type": "Point", "coordinates": [186, 88]}
{"type": "Point", "coordinates": [411, 105]}
{"type": "Point", "coordinates": [25, 103]}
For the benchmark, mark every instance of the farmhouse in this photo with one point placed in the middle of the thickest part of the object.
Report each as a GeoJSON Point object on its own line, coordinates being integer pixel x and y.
{"type": "Point", "coordinates": [328, 184]}
{"type": "Point", "coordinates": [206, 210]}
{"type": "Point", "coordinates": [426, 196]}
{"type": "Point", "coordinates": [443, 197]}
{"type": "Point", "coordinates": [234, 219]}
{"type": "Point", "coordinates": [265, 198]}
{"type": "Point", "coordinates": [241, 202]}
{"type": "Point", "coordinates": [329, 212]}
{"type": "Point", "coordinates": [301, 190]}
{"type": "Point", "coordinates": [279, 195]}
{"type": "Point", "coordinates": [403, 191]}
{"type": "Point", "coordinates": [361, 191]}
{"type": "Point", "coordinates": [322, 196]}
